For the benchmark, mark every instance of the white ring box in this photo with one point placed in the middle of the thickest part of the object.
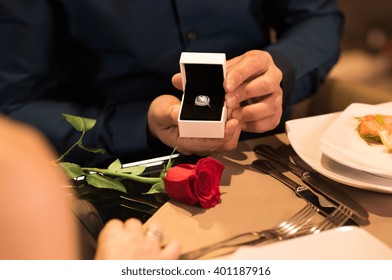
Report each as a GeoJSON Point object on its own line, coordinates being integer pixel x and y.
{"type": "Point", "coordinates": [202, 74]}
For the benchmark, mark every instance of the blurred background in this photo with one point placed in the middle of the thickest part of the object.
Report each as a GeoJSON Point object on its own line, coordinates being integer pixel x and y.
{"type": "Point", "coordinates": [364, 70]}
{"type": "Point", "coordinates": [367, 43]}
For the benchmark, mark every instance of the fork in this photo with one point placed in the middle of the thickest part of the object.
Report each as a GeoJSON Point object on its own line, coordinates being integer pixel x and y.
{"type": "Point", "coordinates": [284, 230]}
{"type": "Point", "coordinates": [336, 219]}
{"type": "Point", "coordinates": [295, 226]}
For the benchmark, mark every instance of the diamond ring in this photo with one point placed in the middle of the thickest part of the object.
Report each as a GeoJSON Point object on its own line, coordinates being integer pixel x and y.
{"type": "Point", "coordinates": [202, 100]}
{"type": "Point", "coordinates": [154, 233]}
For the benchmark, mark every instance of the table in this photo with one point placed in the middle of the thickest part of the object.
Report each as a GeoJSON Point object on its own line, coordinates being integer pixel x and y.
{"type": "Point", "coordinates": [253, 201]}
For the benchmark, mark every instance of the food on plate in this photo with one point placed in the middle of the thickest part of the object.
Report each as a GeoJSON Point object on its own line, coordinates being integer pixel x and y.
{"type": "Point", "coordinates": [386, 138]}
{"type": "Point", "coordinates": [370, 126]}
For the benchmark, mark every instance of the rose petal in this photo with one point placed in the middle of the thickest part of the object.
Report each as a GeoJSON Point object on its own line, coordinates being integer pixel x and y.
{"type": "Point", "coordinates": [180, 183]}
{"type": "Point", "coordinates": [208, 172]}
{"type": "Point", "coordinates": [198, 183]}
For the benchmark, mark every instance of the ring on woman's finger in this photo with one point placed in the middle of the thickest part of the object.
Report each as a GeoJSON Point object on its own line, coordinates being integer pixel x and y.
{"type": "Point", "coordinates": [154, 233]}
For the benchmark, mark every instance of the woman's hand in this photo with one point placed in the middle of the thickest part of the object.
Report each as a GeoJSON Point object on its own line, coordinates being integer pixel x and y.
{"type": "Point", "coordinates": [126, 241]}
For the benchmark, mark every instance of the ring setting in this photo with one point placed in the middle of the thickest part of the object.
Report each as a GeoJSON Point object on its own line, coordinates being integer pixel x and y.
{"type": "Point", "coordinates": [154, 233]}
{"type": "Point", "coordinates": [202, 101]}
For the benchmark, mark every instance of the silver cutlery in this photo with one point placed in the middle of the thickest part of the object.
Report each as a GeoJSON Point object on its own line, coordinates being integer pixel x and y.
{"type": "Point", "coordinates": [336, 219]}
{"type": "Point", "coordinates": [316, 183]}
{"type": "Point", "coordinates": [304, 192]}
{"type": "Point", "coordinates": [338, 214]}
{"type": "Point", "coordinates": [283, 231]}
{"type": "Point", "coordinates": [298, 225]}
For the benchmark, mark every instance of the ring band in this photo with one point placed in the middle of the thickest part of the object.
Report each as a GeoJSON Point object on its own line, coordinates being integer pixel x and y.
{"type": "Point", "coordinates": [202, 100]}
{"type": "Point", "coordinates": [154, 233]}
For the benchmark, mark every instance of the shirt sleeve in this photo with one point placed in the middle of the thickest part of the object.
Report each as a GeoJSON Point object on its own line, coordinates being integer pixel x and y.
{"type": "Point", "coordinates": [307, 43]}
{"type": "Point", "coordinates": [28, 92]}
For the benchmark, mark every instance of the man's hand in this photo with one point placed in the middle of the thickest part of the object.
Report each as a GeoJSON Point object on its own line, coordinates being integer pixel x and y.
{"type": "Point", "coordinates": [163, 124]}
{"type": "Point", "coordinates": [253, 93]}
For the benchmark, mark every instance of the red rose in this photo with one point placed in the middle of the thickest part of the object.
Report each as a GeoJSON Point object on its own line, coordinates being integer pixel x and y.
{"type": "Point", "coordinates": [193, 184]}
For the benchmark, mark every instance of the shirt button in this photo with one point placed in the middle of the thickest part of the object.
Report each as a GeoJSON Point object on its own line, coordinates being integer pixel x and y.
{"type": "Point", "coordinates": [191, 36]}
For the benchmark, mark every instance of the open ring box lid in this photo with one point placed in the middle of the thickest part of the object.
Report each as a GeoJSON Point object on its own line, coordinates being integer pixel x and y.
{"type": "Point", "coordinates": [202, 74]}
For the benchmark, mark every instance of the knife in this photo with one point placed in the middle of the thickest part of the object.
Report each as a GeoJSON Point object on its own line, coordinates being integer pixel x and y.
{"type": "Point", "coordinates": [317, 184]}
{"type": "Point", "coordinates": [325, 206]}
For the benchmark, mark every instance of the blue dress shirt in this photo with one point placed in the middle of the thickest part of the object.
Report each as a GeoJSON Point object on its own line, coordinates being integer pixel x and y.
{"type": "Point", "coordinates": [109, 59]}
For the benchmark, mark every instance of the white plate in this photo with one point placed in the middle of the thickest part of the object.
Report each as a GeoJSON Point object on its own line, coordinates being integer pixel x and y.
{"type": "Point", "coordinates": [305, 134]}
{"type": "Point", "coordinates": [344, 243]}
{"type": "Point", "coordinates": [342, 143]}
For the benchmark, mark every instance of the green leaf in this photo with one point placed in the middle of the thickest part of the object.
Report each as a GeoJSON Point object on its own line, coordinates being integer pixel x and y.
{"type": "Point", "coordinates": [102, 182]}
{"type": "Point", "coordinates": [115, 165]}
{"type": "Point", "coordinates": [157, 188]}
{"type": "Point", "coordinates": [71, 169]}
{"type": "Point", "coordinates": [168, 165]}
{"type": "Point", "coordinates": [134, 170]}
{"type": "Point", "coordinates": [170, 162]}
{"type": "Point", "coordinates": [163, 172]}
{"type": "Point", "coordinates": [79, 123]}
{"type": "Point", "coordinates": [91, 150]}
